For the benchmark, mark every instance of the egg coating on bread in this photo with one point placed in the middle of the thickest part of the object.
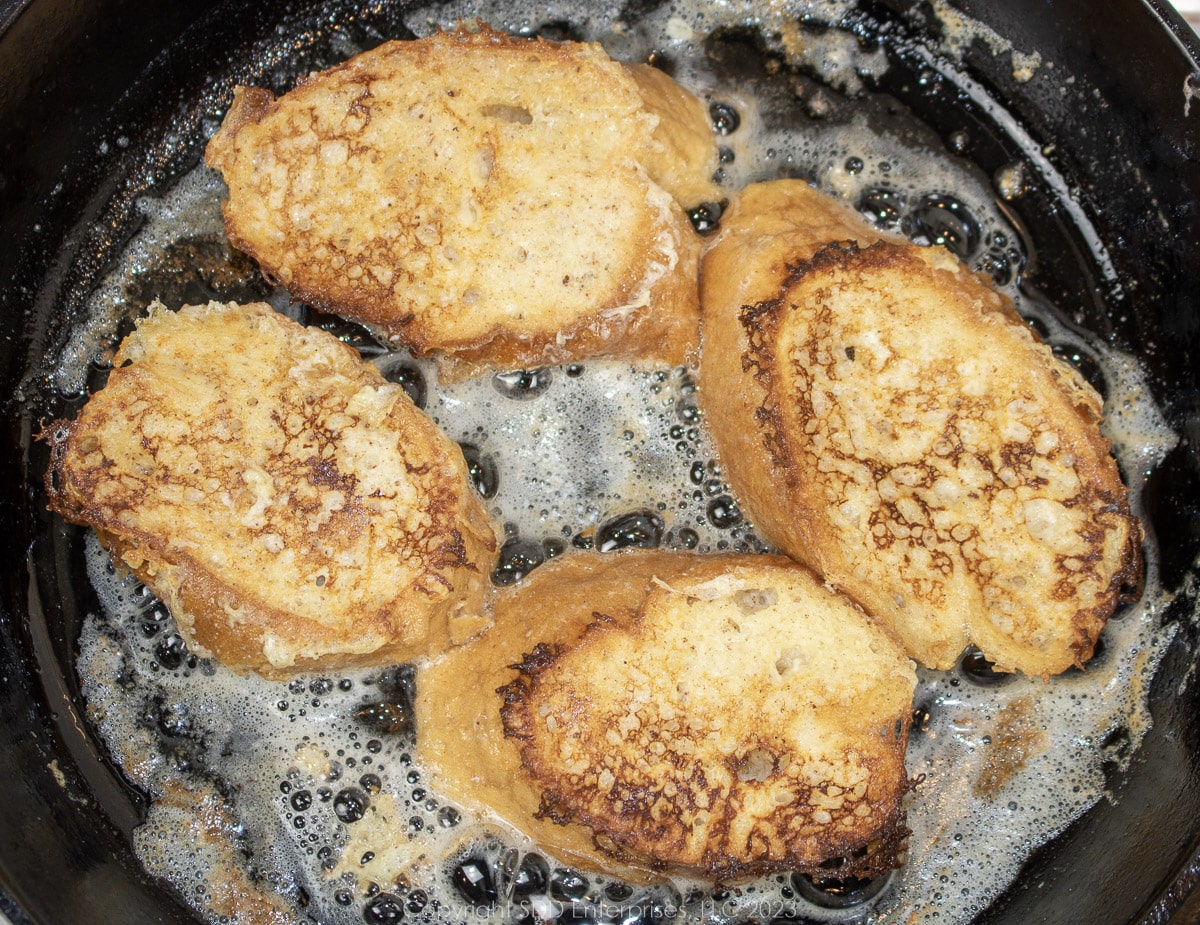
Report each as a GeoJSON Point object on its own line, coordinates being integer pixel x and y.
{"type": "Point", "coordinates": [293, 509]}
{"type": "Point", "coordinates": [494, 201]}
{"type": "Point", "coordinates": [913, 441]}
{"type": "Point", "coordinates": [716, 716]}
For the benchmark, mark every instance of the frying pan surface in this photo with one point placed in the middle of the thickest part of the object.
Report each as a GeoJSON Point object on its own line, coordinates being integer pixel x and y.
{"type": "Point", "coordinates": [106, 101]}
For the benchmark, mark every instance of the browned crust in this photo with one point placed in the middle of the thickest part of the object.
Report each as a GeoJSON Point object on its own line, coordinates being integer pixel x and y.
{"type": "Point", "coordinates": [744, 340]}
{"type": "Point", "coordinates": [639, 834]}
{"type": "Point", "coordinates": [647, 821]}
{"type": "Point", "coordinates": [439, 587]}
{"type": "Point", "coordinates": [478, 742]}
{"type": "Point", "coordinates": [1103, 491]}
{"type": "Point", "coordinates": [659, 325]}
{"type": "Point", "coordinates": [460, 736]}
{"type": "Point", "coordinates": [668, 332]}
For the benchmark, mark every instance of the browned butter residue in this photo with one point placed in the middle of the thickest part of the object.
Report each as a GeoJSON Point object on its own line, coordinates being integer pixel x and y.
{"type": "Point", "coordinates": [231, 893]}
{"type": "Point", "coordinates": [1014, 740]}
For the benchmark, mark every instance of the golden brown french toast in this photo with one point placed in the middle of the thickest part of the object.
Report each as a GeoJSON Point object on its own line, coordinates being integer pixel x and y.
{"type": "Point", "coordinates": [653, 713]}
{"type": "Point", "coordinates": [888, 419]}
{"type": "Point", "coordinates": [292, 508]}
{"type": "Point", "coordinates": [494, 201]}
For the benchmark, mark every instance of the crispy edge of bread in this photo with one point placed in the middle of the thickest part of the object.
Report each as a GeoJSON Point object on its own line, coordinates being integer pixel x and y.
{"type": "Point", "coordinates": [459, 734]}
{"type": "Point", "coordinates": [653, 315]}
{"type": "Point", "coordinates": [685, 158]}
{"type": "Point", "coordinates": [472, 741]}
{"type": "Point", "coordinates": [201, 601]}
{"type": "Point", "coordinates": [786, 224]}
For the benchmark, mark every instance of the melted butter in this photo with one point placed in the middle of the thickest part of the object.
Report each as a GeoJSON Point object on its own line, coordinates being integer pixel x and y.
{"type": "Point", "coordinates": [1003, 768]}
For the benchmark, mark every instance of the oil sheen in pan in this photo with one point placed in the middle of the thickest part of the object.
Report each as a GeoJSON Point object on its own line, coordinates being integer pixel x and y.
{"type": "Point", "coordinates": [307, 798]}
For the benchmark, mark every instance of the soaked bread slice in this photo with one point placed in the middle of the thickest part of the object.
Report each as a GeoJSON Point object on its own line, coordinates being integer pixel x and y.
{"type": "Point", "coordinates": [650, 714]}
{"type": "Point", "coordinates": [493, 201]}
{"type": "Point", "coordinates": [911, 439]}
{"type": "Point", "coordinates": [293, 509]}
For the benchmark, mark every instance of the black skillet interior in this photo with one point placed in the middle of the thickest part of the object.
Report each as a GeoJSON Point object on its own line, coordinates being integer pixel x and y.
{"type": "Point", "coordinates": [104, 101]}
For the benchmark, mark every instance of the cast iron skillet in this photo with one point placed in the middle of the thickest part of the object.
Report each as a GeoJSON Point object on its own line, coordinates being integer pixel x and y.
{"type": "Point", "coordinates": [105, 100]}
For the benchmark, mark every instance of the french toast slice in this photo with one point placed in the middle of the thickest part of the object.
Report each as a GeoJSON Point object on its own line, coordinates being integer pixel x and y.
{"type": "Point", "coordinates": [293, 509]}
{"type": "Point", "coordinates": [653, 714]}
{"type": "Point", "coordinates": [493, 201]}
{"type": "Point", "coordinates": [887, 418]}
